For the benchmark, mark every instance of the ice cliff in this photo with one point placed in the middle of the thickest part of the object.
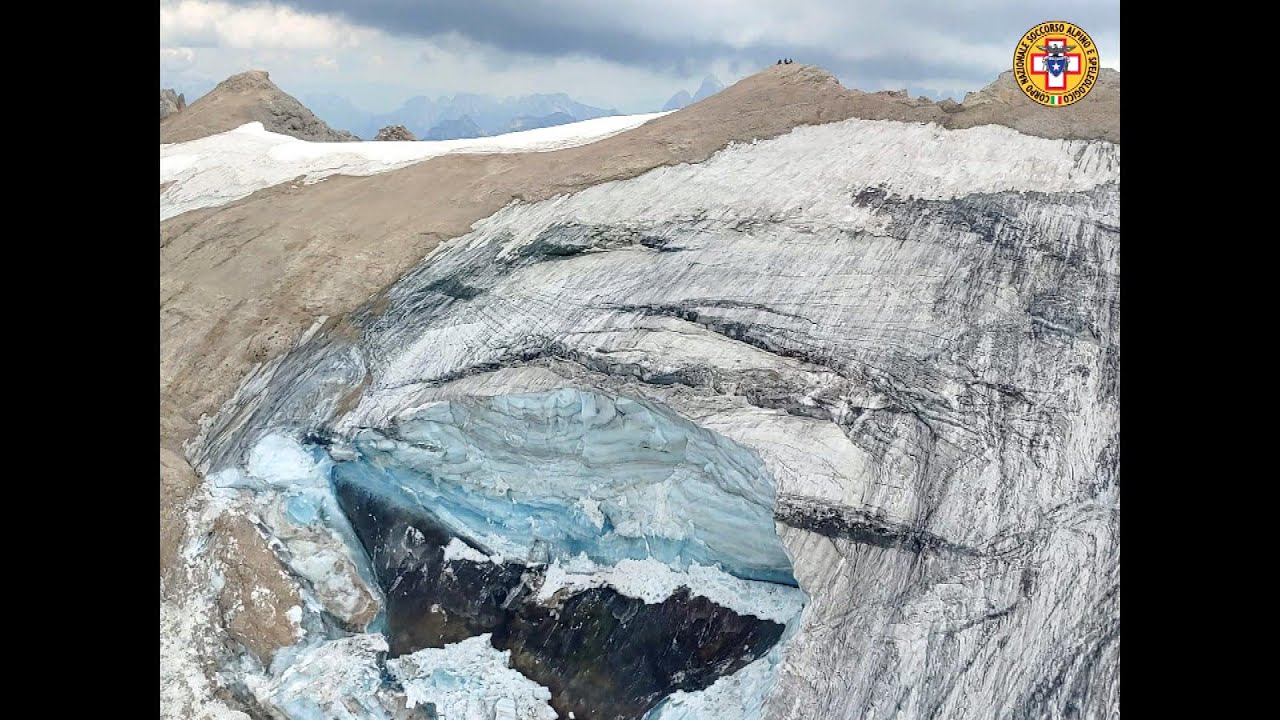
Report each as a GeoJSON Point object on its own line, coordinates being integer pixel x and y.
{"type": "Point", "coordinates": [875, 360]}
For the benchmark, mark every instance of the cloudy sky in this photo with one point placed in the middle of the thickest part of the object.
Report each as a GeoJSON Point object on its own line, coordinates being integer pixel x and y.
{"type": "Point", "coordinates": [626, 54]}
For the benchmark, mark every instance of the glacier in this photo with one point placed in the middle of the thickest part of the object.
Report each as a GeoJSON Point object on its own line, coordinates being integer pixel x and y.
{"type": "Point", "coordinates": [878, 361]}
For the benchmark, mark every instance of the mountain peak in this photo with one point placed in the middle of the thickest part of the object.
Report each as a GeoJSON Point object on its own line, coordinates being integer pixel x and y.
{"type": "Point", "coordinates": [248, 80]}
{"type": "Point", "coordinates": [710, 86]}
{"type": "Point", "coordinates": [244, 98]}
{"type": "Point", "coordinates": [678, 101]}
{"type": "Point", "coordinates": [171, 102]}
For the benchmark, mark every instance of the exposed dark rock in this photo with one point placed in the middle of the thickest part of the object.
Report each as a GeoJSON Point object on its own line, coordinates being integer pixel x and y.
{"type": "Point", "coordinates": [395, 132]}
{"type": "Point", "coordinates": [170, 103]}
{"type": "Point", "coordinates": [602, 655]}
{"type": "Point", "coordinates": [612, 657]}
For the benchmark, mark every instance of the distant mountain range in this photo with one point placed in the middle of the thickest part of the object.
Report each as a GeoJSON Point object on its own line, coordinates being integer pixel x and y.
{"type": "Point", "coordinates": [463, 127]}
{"type": "Point", "coordinates": [466, 115]}
{"type": "Point", "coordinates": [678, 101]}
{"type": "Point", "coordinates": [710, 86]}
{"type": "Point", "coordinates": [461, 116]}
{"type": "Point", "coordinates": [470, 115]}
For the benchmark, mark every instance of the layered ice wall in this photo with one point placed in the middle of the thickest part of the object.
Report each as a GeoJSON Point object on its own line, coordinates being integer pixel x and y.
{"type": "Point", "coordinates": [554, 475]}
{"type": "Point", "coordinates": [916, 332]}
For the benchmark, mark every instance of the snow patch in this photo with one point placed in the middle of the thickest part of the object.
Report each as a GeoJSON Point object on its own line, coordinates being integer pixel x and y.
{"type": "Point", "coordinates": [458, 550]}
{"type": "Point", "coordinates": [326, 680]}
{"type": "Point", "coordinates": [294, 614]}
{"type": "Point", "coordinates": [222, 168]}
{"type": "Point", "coordinates": [280, 460]}
{"type": "Point", "coordinates": [653, 582]}
{"type": "Point", "coordinates": [172, 165]}
{"type": "Point", "coordinates": [186, 692]}
{"type": "Point", "coordinates": [591, 508]}
{"type": "Point", "coordinates": [471, 680]}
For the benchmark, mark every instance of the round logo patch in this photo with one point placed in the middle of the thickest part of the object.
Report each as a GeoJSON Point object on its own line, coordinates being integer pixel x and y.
{"type": "Point", "coordinates": [1055, 63]}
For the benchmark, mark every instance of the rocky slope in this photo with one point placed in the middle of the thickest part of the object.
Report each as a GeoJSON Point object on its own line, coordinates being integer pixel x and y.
{"type": "Point", "coordinates": [909, 330]}
{"type": "Point", "coordinates": [1002, 103]}
{"type": "Point", "coordinates": [170, 103]}
{"type": "Point", "coordinates": [244, 98]}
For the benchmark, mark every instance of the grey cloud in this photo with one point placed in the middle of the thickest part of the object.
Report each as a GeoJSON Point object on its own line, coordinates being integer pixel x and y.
{"type": "Point", "coordinates": [626, 33]}
{"type": "Point", "coordinates": [532, 27]}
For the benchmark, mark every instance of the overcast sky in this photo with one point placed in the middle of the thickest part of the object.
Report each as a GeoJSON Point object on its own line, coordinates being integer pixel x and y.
{"type": "Point", "coordinates": [626, 54]}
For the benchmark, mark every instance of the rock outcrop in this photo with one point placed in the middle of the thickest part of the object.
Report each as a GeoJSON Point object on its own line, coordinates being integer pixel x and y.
{"type": "Point", "coordinates": [245, 98]}
{"type": "Point", "coordinates": [170, 103]}
{"type": "Point", "coordinates": [915, 332]}
{"type": "Point", "coordinates": [1002, 103]}
{"type": "Point", "coordinates": [395, 133]}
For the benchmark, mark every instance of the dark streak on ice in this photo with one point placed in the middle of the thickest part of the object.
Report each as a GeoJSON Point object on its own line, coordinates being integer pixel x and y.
{"type": "Point", "coordinates": [861, 527]}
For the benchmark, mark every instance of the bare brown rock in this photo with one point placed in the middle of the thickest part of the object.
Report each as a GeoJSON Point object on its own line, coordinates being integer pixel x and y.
{"type": "Point", "coordinates": [245, 98]}
{"type": "Point", "coordinates": [177, 482]}
{"type": "Point", "coordinates": [256, 594]}
{"type": "Point", "coordinates": [1094, 117]}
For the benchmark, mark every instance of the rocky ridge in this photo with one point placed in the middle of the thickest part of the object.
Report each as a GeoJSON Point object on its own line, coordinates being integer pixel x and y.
{"type": "Point", "coordinates": [248, 97]}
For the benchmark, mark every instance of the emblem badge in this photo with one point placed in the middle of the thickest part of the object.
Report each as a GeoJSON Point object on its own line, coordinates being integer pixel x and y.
{"type": "Point", "coordinates": [1055, 63]}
